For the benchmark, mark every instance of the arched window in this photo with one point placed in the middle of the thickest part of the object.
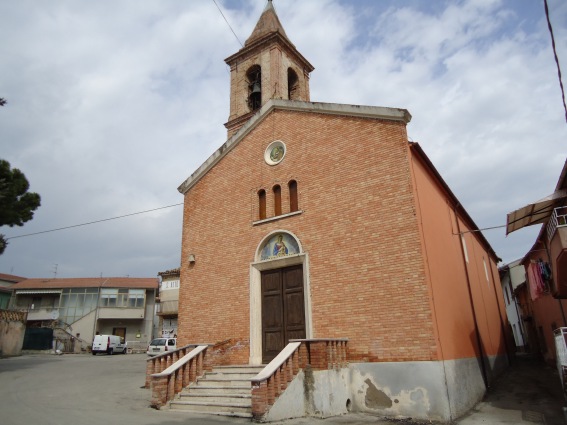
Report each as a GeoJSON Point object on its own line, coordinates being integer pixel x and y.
{"type": "Point", "coordinates": [293, 201]}
{"type": "Point", "coordinates": [292, 85]}
{"type": "Point", "coordinates": [277, 200]}
{"type": "Point", "coordinates": [262, 204]}
{"type": "Point", "coordinates": [254, 77]}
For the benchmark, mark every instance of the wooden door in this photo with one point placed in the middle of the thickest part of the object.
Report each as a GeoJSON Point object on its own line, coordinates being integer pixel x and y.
{"type": "Point", "coordinates": [121, 332]}
{"type": "Point", "coordinates": [283, 311]}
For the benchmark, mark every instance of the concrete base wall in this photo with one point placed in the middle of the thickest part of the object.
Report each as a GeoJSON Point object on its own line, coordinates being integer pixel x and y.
{"type": "Point", "coordinates": [317, 394]}
{"type": "Point", "coordinates": [434, 391]}
{"type": "Point", "coordinates": [400, 390]}
{"type": "Point", "coordinates": [11, 338]}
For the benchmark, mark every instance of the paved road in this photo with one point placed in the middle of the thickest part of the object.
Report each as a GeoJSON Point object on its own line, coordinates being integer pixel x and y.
{"type": "Point", "coordinates": [83, 389]}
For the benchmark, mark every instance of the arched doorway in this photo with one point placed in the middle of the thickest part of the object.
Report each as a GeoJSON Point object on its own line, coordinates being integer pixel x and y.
{"type": "Point", "coordinates": [280, 306]}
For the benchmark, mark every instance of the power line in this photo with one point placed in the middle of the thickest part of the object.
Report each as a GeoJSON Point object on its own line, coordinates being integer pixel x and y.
{"type": "Point", "coordinates": [555, 56]}
{"type": "Point", "coordinates": [93, 222]}
{"type": "Point", "coordinates": [226, 20]}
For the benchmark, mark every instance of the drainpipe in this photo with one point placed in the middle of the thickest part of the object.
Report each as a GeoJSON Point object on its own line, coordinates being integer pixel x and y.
{"type": "Point", "coordinates": [476, 331]}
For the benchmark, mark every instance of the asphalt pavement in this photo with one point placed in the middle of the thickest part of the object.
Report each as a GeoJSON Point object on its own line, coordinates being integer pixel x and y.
{"type": "Point", "coordinates": [90, 390]}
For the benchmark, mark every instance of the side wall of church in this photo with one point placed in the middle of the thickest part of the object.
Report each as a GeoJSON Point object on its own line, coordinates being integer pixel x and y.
{"type": "Point", "coordinates": [469, 314]}
{"type": "Point", "coordinates": [358, 226]}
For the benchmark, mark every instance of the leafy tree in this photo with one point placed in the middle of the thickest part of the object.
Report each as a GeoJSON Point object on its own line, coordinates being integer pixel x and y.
{"type": "Point", "coordinates": [16, 203]}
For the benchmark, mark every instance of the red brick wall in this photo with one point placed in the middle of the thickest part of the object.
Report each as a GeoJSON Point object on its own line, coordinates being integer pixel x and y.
{"type": "Point", "coordinates": [358, 226]}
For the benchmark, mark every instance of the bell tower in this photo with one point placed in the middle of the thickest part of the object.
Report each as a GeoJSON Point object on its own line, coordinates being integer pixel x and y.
{"type": "Point", "coordinates": [267, 67]}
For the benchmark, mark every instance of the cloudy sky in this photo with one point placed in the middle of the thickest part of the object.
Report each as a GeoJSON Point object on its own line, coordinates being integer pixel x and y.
{"type": "Point", "coordinates": [113, 104]}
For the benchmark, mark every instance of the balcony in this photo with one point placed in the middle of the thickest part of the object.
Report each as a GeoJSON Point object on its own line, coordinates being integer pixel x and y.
{"type": "Point", "coordinates": [46, 313]}
{"type": "Point", "coordinates": [121, 313]}
{"type": "Point", "coordinates": [167, 307]}
{"type": "Point", "coordinates": [557, 236]}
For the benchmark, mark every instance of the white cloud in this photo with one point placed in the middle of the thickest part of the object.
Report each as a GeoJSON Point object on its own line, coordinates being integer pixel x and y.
{"type": "Point", "coordinates": [113, 104]}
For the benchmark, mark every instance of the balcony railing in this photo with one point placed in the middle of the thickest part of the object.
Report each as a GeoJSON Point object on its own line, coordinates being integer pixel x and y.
{"type": "Point", "coordinates": [557, 219]}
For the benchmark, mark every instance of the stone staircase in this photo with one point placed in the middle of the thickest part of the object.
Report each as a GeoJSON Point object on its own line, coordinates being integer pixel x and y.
{"type": "Point", "coordinates": [224, 391]}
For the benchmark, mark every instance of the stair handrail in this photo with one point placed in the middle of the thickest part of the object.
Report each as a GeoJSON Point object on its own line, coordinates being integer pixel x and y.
{"type": "Point", "coordinates": [276, 363]}
{"type": "Point", "coordinates": [171, 381]}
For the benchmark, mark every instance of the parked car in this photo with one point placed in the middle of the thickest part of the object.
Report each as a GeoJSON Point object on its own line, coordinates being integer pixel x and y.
{"type": "Point", "coordinates": [161, 345]}
{"type": "Point", "coordinates": [108, 344]}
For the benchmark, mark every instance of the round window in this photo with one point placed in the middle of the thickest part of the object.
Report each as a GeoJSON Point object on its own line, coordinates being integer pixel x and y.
{"type": "Point", "coordinates": [275, 152]}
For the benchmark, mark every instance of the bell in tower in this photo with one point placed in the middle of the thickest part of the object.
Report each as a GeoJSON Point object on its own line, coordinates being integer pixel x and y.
{"type": "Point", "coordinates": [267, 67]}
{"type": "Point", "coordinates": [255, 88]}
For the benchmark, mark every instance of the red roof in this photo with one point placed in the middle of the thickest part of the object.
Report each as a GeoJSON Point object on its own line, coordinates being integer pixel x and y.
{"type": "Point", "coordinates": [89, 282]}
{"type": "Point", "coordinates": [11, 278]}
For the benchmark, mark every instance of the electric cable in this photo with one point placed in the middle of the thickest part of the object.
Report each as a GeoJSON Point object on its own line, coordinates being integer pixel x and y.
{"type": "Point", "coordinates": [93, 222]}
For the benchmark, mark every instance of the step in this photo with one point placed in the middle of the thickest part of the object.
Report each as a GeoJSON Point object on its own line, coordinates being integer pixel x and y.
{"type": "Point", "coordinates": [209, 407]}
{"type": "Point", "coordinates": [205, 388]}
{"type": "Point", "coordinates": [205, 397]}
{"type": "Point", "coordinates": [219, 382]}
{"type": "Point", "coordinates": [216, 374]}
{"type": "Point", "coordinates": [239, 369]}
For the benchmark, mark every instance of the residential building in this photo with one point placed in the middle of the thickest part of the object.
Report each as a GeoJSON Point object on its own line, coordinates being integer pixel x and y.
{"type": "Point", "coordinates": [320, 221]}
{"type": "Point", "coordinates": [513, 279]}
{"type": "Point", "coordinates": [83, 307]}
{"type": "Point", "coordinates": [167, 306]}
{"type": "Point", "coordinates": [6, 282]}
{"type": "Point", "coordinates": [545, 265]}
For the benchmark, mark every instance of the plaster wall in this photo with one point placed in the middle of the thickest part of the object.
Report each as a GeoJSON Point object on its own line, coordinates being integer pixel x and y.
{"type": "Point", "coordinates": [12, 338]}
{"type": "Point", "coordinates": [316, 394]}
{"type": "Point", "coordinates": [438, 391]}
{"type": "Point", "coordinates": [546, 313]}
{"type": "Point", "coordinates": [465, 290]}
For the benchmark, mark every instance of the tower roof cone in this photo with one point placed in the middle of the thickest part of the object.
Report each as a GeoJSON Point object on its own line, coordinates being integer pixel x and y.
{"type": "Point", "coordinates": [267, 24]}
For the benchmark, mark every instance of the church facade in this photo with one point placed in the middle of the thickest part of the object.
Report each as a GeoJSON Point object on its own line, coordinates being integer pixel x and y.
{"type": "Point", "coordinates": [319, 220]}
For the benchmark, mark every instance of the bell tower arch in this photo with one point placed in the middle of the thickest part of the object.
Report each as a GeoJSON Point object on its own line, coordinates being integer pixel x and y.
{"type": "Point", "coordinates": [268, 67]}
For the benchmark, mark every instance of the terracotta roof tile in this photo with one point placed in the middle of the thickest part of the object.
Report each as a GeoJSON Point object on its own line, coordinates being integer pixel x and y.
{"type": "Point", "coordinates": [89, 282]}
{"type": "Point", "coordinates": [11, 278]}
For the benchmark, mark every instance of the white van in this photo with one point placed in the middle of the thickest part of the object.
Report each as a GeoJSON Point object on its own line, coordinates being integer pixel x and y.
{"type": "Point", "coordinates": [108, 344]}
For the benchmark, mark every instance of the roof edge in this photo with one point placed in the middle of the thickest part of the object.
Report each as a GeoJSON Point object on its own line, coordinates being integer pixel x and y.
{"type": "Point", "coordinates": [415, 147]}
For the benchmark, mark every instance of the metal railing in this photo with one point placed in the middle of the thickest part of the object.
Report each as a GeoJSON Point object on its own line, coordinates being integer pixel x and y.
{"type": "Point", "coordinates": [561, 352]}
{"type": "Point", "coordinates": [558, 219]}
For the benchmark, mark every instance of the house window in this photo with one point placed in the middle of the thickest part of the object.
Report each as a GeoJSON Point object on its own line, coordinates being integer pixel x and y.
{"type": "Point", "coordinates": [262, 204]}
{"type": "Point", "coordinates": [108, 297]}
{"type": "Point", "coordinates": [277, 200]}
{"type": "Point", "coordinates": [293, 202]}
{"type": "Point", "coordinates": [136, 298]}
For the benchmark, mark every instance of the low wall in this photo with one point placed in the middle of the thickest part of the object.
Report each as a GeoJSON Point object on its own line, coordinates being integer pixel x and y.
{"type": "Point", "coordinates": [12, 330]}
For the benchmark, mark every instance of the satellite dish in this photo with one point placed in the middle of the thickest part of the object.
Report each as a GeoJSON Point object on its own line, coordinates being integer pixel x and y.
{"type": "Point", "coordinates": [55, 315]}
